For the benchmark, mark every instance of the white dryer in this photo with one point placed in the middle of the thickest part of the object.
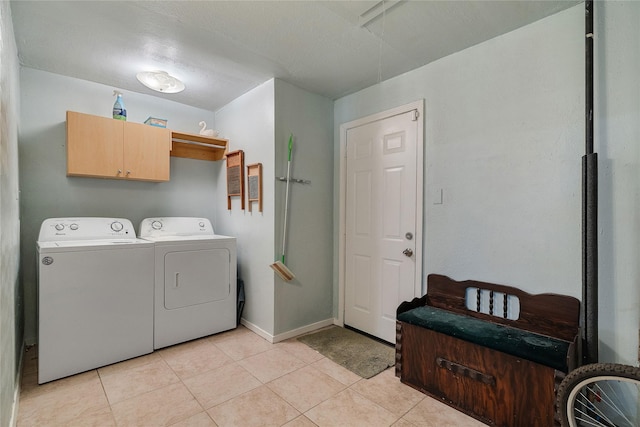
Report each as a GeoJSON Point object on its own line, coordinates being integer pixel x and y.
{"type": "Point", "coordinates": [195, 279]}
{"type": "Point", "coordinates": [95, 295]}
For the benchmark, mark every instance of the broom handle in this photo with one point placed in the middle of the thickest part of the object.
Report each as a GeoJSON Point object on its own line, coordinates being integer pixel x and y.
{"type": "Point", "coordinates": [286, 199]}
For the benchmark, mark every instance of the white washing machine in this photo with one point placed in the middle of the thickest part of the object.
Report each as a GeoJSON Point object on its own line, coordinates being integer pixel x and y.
{"type": "Point", "coordinates": [195, 279]}
{"type": "Point", "coordinates": [95, 295]}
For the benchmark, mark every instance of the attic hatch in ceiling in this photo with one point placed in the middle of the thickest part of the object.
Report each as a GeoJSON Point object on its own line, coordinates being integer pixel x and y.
{"type": "Point", "coordinates": [377, 10]}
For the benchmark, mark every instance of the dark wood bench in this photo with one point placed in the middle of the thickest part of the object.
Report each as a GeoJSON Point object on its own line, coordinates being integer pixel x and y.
{"type": "Point", "coordinates": [492, 351]}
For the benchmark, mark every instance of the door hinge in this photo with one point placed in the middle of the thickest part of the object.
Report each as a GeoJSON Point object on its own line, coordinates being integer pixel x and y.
{"type": "Point", "coordinates": [415, 115]}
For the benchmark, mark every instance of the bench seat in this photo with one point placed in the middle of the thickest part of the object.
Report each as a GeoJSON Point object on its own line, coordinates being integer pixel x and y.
{"type": "Point", "coordinates": [527, 345]}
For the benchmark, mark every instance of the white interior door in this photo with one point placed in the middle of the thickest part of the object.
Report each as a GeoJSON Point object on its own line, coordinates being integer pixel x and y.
{"type": "Point", "coordinates": [381, 221]}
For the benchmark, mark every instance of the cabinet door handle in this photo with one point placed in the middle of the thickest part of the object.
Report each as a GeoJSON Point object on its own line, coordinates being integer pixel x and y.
{"type": "Point", "coordinates": [128, 173]}
{"type": "Point", "coordinates": [119, 171]}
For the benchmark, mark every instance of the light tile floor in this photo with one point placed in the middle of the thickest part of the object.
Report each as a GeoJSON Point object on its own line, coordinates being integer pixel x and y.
{"type": "Point", "coordinates": [235, 378]}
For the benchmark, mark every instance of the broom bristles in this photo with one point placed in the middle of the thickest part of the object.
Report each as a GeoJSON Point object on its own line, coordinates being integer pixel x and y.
{"type": "Point", "coordinates": [282, 271]}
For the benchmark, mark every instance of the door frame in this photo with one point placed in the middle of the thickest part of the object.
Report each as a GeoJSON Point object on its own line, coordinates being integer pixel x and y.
{"type": "Point", "coordinates": [419, 107]}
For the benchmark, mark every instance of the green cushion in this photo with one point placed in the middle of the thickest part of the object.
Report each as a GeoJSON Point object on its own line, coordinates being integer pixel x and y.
{"type": "Point", "coordinates": [537, 348]}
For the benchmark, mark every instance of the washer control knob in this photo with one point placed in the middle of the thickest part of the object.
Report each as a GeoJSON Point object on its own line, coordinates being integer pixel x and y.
{"type": "Point", "coordinates": [73, 226]}
{"type": "Point", "coordinates": [116, 226]}
{"type": "Point", "coordinates": [156, 225]}
{"type": "Point", "coordinates": [59, 227]}
{"type": "Point", "coordinates": [201, 224]}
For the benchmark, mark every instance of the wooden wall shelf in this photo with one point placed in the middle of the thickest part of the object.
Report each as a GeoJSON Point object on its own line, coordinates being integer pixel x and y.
{"type": "Point", "coordinates": [200, 147]}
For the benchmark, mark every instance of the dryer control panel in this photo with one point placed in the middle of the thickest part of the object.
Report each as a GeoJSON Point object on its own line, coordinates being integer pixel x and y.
{"type": "Point", "coordinates": [175, 226]}
{"type": "Point", "coordinates": [86, 228]}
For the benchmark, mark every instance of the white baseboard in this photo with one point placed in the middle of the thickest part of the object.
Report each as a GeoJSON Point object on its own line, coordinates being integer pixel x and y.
{"type": "Point", "coordinates": [289, 334]}
{"type": "Point", "coordinates": [303, 330]}
{"type": "Point", "coordinates": [264, 334]}
{"type": "Point", "coordinates": [16, 393]}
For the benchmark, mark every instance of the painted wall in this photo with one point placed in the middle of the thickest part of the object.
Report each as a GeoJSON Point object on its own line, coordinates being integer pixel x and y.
{"type": "Point", "coordinates": [617, 141]}
{"type": "Point", "coordinates": [504, 136]}
{"type": "Point", "coordinates": [196, 188]}
{"type": "Point", "coordinates": [47, 191]}
{"type": "Point", "coordinates": [248, 122]}
{"type": "Point", "coordinates": [503, 140]}
{"type": "Point", "coordinates": [307, 299]}
{"type": "Point", "coordinates": [259, 123]}
{"type": "Point", "coordinates": [11, 325]}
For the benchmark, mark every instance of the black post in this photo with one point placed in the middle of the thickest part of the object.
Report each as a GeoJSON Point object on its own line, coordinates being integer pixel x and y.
{"type": "Point", "coordinates": [590, 257]}
{"type": "Point", "coordinates": [589, 208]}
{"type": "Point", "coordinates": [588, 4]}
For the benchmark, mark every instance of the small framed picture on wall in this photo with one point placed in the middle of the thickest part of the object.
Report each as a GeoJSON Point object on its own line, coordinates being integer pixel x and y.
{"type": "Point", "coordinates": [254, 179]}
{"type": "Point", "coordinates": [235, 177]}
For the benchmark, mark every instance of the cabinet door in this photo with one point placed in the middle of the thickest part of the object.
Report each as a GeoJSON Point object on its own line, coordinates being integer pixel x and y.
{"type": "Point", "coordinates": [94, 146]}
{"type": "Point", "coordinates": [146, 152]}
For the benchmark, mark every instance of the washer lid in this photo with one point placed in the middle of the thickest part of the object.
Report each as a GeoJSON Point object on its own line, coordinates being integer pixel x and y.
{"type": "Point", "coordinates": [83, 245]}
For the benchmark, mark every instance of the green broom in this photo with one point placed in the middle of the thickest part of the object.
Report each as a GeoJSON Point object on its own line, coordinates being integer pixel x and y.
{"type": "Point", "coordinates": [279, 266]}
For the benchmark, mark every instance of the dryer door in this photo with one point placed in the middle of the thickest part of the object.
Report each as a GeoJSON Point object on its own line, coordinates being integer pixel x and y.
{"type": "Point", "coordinates": [196, 277]}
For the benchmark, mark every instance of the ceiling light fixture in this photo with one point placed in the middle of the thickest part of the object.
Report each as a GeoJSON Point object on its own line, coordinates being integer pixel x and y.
{"type": "Point", "coordinates": [160, 81]}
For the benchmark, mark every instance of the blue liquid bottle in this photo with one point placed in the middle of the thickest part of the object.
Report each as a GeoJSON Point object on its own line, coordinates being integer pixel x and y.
{"type": "Point", "coordinates": [119, 112]}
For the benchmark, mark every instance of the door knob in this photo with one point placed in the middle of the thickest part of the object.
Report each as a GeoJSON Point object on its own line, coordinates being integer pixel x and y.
{"type": "Point", "coordinates": [408, 252]}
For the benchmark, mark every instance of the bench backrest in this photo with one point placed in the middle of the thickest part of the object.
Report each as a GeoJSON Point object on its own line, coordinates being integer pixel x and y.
{"type": "Point", "coordinates": [553, 315]}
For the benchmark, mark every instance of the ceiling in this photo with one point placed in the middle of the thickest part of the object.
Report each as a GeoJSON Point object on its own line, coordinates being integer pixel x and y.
{"type": "Point", "coordinates": [222, 49]}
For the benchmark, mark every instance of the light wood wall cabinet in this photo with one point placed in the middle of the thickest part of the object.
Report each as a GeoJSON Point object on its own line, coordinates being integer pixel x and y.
{"type": "Point", "coordinates": [106, 148]}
